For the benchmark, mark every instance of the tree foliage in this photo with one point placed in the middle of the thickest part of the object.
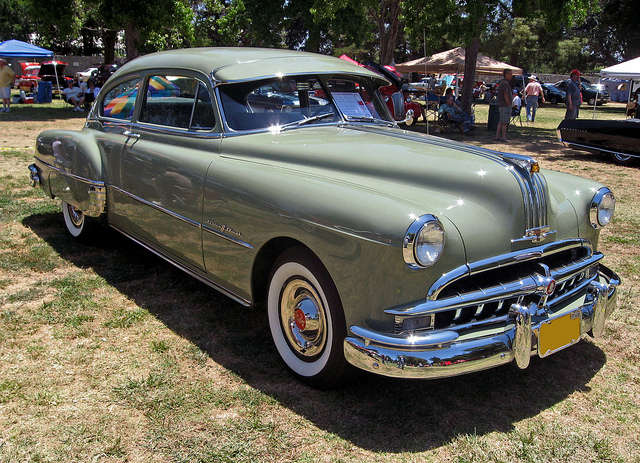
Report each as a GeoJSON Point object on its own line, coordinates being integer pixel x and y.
{"type": "Point", "coordinates": [537, 35]}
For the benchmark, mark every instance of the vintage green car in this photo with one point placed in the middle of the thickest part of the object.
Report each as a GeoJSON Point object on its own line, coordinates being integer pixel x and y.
{"type": "Point", "coordinates": [280, 179]}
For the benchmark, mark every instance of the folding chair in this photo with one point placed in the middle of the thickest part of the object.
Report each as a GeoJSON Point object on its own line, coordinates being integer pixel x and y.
{"type": "Point", "coordinates": [515, 115]}
{"type": "Point", "coordinates": [447, 124]}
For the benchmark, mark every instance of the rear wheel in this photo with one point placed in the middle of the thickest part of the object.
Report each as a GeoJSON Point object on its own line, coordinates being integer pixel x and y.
{"type": "Point", "coordinates": [77, 223]}
{"type": "Point", "coordinates": [592, 101]}
{"type": "Point", "coordinates": [306, 319]}
{"type": "Point", "coordinates": [554, 100]}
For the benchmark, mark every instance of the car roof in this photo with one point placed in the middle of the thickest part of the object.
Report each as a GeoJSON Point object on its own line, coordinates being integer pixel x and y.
{"type": "Point", "coordinates": [244, 63]}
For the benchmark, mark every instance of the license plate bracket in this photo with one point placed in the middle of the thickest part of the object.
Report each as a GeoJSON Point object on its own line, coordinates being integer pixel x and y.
{"type": "Point", "coordinates": [558, 333]}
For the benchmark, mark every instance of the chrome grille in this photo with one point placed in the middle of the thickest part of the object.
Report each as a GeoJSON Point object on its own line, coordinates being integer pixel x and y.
{"type": "Point", "coordinates": [486, 296]}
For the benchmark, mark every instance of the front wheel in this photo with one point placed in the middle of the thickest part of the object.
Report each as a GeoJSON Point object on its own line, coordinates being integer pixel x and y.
{"type": "Point", "coordinates": [306, 319]}
{"type": "Point", "coordinates": [622, 159]}
{"type": "Point", "coordinates": [77, 223]}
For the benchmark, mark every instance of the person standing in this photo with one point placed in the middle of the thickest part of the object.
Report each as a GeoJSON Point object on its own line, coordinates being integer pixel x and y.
{"type": "Point", "coordinates": [533, 91]}
{"type": "Point", "coordinates": [504, 104]}
{"type": "Point", "coordinates": [574, 96]}
{"type": "Point", "coordinates": [7, 77]}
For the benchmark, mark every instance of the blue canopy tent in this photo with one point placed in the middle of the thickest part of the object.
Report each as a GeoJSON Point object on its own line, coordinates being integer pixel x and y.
{"type": "Point", "coordinates": [18, 49]}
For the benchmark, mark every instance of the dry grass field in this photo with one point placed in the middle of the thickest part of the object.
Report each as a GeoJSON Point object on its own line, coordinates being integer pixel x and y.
{"type": "Point", "coordinates": [109, 354]}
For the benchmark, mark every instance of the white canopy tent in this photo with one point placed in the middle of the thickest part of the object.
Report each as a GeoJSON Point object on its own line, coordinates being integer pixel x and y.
{"type": "Point", "coordinates": [628, 70]}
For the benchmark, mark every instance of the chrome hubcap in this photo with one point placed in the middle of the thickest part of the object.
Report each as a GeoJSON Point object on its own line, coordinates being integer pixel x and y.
{"type": "Point", "coordinates": [303, 319]}
{"type": "Point", "coordinates": [76, 216]}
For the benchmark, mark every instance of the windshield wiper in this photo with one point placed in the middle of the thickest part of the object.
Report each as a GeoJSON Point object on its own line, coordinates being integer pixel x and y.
{"type": "Point", "coordinates": [308, 120]}
{"type": "Point", "coordinates": [369, 119]}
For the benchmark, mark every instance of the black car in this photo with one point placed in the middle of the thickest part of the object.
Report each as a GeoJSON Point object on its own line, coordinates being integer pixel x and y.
{"type": "Point", "coordinates": [103, 73]}
{"type": "Point", "coordinates": [618, 139]}
{"type": "Point", "coordinates": [553, 94]}
{"type": "Point", "coordinates": [589, 93]}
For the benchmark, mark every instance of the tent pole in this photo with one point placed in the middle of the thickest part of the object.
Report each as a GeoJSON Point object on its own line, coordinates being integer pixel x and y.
{"type": "Point", "coordinates": [55, 70]}
{"type": "Point", "coordinates": [595, 103]}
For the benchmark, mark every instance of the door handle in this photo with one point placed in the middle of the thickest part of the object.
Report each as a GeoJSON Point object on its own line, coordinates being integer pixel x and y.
{"type": "Point", "coordinates": [129, 133]}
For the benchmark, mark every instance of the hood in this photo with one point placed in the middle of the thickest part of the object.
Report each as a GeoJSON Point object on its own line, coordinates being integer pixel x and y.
{"type": "Point", "coordinates": [485, 195]}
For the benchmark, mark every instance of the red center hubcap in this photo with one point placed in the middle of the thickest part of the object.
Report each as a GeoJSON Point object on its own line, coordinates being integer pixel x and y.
{"type": "Point", "coordinates": [301, 320]}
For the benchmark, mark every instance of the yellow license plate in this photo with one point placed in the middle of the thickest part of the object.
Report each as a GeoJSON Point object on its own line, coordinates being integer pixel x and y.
{"type": "Point", "coordinates": [558, 333]}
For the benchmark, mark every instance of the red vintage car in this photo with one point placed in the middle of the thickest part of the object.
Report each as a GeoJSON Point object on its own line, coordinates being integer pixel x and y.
{"type": "Point", "coordinates": [29, 78]}
{"type": "Point", "coordinates": [402, 109]}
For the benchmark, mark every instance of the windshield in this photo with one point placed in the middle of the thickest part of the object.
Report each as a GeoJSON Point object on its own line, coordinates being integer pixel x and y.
{"type": "Point", "coordinates": [299, 100]}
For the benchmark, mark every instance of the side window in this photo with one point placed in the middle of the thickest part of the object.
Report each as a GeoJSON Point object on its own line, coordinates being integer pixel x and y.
{"type": "Point", "coordinates": [177, 101]}
{"type": "Point", "coordinates": [120, 101]}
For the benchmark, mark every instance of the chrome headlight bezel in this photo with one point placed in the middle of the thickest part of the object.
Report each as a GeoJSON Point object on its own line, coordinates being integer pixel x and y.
{"type": "Point", "coordinates": [423, 242]}
{"type": "Point", "coordinates": [602, 208]}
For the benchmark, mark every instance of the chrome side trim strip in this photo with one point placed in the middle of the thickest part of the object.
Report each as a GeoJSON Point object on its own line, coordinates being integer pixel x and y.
{"type": "Point", "coordinates": [157, 207]}
{"type": "Point", "coordinates": [94, 183]}
{"type": "Point", "coordinates": [219, 234]}
{"type": "Point", "coordinates": [201, 278]}
{"type": "Point", "coordinates": [191, 222]}
{"type": "Point", "coordinates": [593, 148]}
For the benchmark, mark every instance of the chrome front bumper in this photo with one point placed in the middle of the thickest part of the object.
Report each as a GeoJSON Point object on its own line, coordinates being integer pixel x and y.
{"type": "Point", "coordinates": [446, 352]}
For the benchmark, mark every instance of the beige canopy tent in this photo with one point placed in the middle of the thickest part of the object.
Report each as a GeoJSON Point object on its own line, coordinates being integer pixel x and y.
{"type": "Point", "coordinates": [452, 62]}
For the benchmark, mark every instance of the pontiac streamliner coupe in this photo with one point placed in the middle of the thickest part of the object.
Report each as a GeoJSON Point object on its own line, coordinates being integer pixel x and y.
{"type": "Point", "coordinates": [399, 253]}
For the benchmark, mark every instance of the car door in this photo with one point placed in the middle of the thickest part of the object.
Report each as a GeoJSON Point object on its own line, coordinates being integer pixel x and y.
{"type": "Point", "coordinates": [158, 176]}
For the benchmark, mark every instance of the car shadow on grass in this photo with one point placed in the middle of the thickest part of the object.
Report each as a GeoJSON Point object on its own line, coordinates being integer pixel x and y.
{"type": "Point", "coordinates": [375, 413]}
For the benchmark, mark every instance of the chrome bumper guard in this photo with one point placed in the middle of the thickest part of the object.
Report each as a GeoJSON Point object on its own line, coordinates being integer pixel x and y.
{"type": "Point", "coordinates": [34, 176]}
{"type": "Point", "coordinates": [447, 353]}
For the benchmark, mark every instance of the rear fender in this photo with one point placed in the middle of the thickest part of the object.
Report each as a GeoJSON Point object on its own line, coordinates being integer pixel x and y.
{"type": "Point", "coordinates": [72, 170]}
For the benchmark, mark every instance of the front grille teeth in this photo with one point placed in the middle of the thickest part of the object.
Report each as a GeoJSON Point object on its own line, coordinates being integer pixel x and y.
{"type": "Point", "coordinates": [496, 310]}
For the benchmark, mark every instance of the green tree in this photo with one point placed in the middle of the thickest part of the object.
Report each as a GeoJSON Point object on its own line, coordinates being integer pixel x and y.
{"type": "Point", "coordinates": [14, 23]}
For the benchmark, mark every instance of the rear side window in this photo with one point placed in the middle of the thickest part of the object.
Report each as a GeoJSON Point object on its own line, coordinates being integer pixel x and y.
{"type": "Point", "coordinates": [177, 101]}
{"type": "Point", "coordinates": [120, 101]}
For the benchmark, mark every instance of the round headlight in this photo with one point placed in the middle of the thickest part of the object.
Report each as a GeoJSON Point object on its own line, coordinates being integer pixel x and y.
{"type": "Point", "coordinates": [603, 206]}
{"type": "Point", "coordinates": [423, 242]}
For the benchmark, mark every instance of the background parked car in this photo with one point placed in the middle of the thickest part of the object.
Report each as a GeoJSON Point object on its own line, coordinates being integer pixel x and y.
{"type": "Point", "coordinates": [104, 71]}
{"type": "Point", "coordinates": [29, 79]}
{"type": "Point", "coordinates": [48, 72]}
{"type": "Point", "coordinates": [86, 74]}
{"type": "Point", "coordinates": [553, 94]}
{"type": "Point", "coordinates": [589, 92]}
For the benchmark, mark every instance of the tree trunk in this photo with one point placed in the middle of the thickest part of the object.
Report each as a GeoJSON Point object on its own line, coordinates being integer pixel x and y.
{"type": "Point", "coordinates": [131, 36]}
{"type": "Point", "coordinates": [470, 59]}
{"type": "Point", "coordinates": [109, 39]}
{"type": "Point", "coordinates": [388, 25]}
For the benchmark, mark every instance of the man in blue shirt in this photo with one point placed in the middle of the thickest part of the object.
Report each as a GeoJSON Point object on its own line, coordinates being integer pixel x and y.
{"type": "Point", "coordinates": [574, 96]}
{"type": "Point", "coordinates": [456, 114]}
